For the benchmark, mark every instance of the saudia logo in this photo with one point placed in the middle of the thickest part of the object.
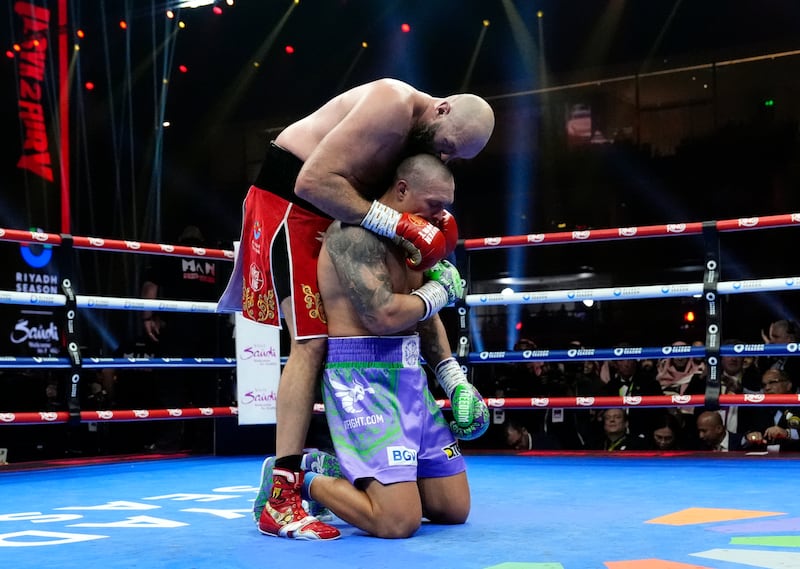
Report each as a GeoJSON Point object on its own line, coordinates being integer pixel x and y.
{"type": "Point", "coordinates": [23, 332]}
{"type": "Point", "coordinates": [259, 396]}
{"type": "Point", "coordinates": [536, 238]}
{"type": "Point", "coordinates": [627, 231]}
{"type": "Point", "coordinates": [492, 241]}
{"type": "Point", "coordinates": [259, 353]}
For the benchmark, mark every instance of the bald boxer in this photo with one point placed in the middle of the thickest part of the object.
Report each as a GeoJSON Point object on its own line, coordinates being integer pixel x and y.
{"type": "Point", "coordinates": [399, 456]}
{"type": "Point", "coordinates": [330, 165]}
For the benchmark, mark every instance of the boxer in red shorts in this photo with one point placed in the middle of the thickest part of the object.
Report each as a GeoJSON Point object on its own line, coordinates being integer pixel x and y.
{"type": "Point", "coordinates": [341, 156]}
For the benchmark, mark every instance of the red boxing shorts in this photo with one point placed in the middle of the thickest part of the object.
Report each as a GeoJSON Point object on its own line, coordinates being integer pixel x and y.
{"type": "Point", "coordinates": [252, 286]}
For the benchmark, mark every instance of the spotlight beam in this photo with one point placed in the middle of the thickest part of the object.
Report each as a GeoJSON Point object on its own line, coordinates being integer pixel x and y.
{"type": "Point", "coordinates": [657, 42]}
{"type": "Point", "coordinates": [474, 57]}
{"type": "Point", "coordinates": [239, 85]}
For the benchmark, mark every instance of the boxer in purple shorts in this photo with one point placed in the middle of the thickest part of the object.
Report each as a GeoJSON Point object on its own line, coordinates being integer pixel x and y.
{"type": "Point", "coordinates": [383, 419]}
{"type": "Point", "coordinates": [400, 456]}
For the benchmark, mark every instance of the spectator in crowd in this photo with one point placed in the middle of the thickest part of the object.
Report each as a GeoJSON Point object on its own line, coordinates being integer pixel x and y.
{"type": "Point", "coordinates": [775, 428]}
{"type": "Point", "coordinates": [668, 433]}
{"type": "Point", "coordinates": [616, 436]}
{"type": "Point", "coordinates": [525, 380]}
{"type": "Point", "coordinates": [183, 334]}
{"type": "Point", "coordinates": [674, 374]}
{"type": "Point", "coordinates": [713, 435]}
{"type": "Point", "coordinates": [628, 380]}
{"type": "Point", "coordinates": [735, 378]}
{"type": "Point", "coordinates": [579, 379]}
{"type": "Point", "coordinates": [517, 436]}
{"type": "Point", "coordinates": [782, 332]}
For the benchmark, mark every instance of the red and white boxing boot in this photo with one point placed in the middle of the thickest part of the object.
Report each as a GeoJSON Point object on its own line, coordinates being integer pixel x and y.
{"type": "Point", "coordinates": [283, 514]}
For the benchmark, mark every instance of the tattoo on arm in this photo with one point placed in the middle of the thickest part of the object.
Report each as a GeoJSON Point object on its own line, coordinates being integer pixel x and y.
{"type": "Point", "coordinates": [360, 260]}
{"type": "Point", "coordinates": [430, 341]}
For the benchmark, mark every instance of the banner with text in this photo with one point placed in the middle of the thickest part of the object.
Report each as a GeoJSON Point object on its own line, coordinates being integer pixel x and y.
{"type": "Point", "coordinates": [30, 97]}
{"type": "Point", "coordinates": [258, 369]}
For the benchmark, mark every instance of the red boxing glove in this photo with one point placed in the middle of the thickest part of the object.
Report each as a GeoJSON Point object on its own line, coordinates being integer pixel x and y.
{"type": "Point", "coordinates": [423, 241]}
{"type": "Point", "coordinates": [449, 228]}
{"type": "Point", "coordinates": [424, 244]}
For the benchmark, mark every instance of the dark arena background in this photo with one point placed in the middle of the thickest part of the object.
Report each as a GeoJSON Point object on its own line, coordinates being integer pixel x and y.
{"type": "Point", "coordinates": [637, 201]}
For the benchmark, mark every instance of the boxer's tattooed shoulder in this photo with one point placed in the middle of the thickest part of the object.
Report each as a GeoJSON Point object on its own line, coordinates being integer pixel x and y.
{"type": "Point", "coordinates": [360, 261]}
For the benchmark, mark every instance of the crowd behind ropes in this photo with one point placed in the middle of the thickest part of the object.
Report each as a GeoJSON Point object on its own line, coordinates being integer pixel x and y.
{"type": "Point", "coordinates": [692, 428]}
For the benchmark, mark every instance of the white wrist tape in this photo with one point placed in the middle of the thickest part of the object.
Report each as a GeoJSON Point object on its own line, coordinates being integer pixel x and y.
{"type": "Point", "coordinates": [450, 375]}
{"type": "Point", "coordinates": [381, 219]}
{"type": "Point", "coordinates": [434, 296]}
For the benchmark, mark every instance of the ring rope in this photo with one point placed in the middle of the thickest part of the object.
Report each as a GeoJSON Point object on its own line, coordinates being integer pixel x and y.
{"type": "Point", "coordinates": [636, 292]}
{"type": "Point", "coordinates": [107, 302]}
{"type": "Point", "coordinates": [116, 245]}
{"type": "Point", "coordinates": [639, 232]}
{"type": "Point", "coordinates": [630, 353]}
{"type": "Point", "coordinates": [117, 415]}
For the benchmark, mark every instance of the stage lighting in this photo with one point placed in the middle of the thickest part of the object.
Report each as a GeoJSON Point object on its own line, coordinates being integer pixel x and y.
{"type": "Point", "coordinates": [289, 49]}
{"type": "Point", "coordinates": [688, 316]}
{"type": "Point", "coordinates": [405, 28]}
{"type": "Point", "coordinates": [193, 3]}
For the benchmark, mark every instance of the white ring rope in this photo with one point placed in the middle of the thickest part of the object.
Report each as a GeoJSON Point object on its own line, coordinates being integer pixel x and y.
{"type": "Point", "coordinates": [107, 302]}
{"type": "Point", "coordinates": [635, 292]}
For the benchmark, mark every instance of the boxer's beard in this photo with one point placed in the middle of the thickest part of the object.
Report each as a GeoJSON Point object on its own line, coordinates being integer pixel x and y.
{"type": "Point", "coordinates": [420, 140]}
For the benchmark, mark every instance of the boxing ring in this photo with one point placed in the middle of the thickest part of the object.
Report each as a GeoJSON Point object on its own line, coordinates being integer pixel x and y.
{"type": "Point", "coordinates": [540, 510]}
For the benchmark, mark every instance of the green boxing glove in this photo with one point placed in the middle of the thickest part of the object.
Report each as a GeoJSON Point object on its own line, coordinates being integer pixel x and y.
{"type": "Point", "coordinates": [470, 413]}
{"type": "Point", "coordinates": [444, 286]}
